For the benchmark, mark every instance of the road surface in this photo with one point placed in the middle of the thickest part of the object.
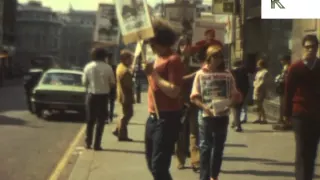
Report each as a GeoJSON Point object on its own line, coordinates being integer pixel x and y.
{"type": "Point", "coordinates": [31, 147]}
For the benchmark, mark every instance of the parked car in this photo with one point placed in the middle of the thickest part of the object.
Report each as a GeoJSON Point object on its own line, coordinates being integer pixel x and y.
{"type": "Point", "coordinates": [59, 90]}
{"type": "Point", "coordinates": [30, 80]}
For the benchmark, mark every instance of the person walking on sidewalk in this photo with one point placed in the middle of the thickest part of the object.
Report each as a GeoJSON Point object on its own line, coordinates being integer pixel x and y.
{"type": "Point", "coordinates": [213, 125]}
{"type": "Point", "coordinates": [240, 75]}
{"type": "Point", "coordinates": [113, 94]}
{"type": "Point", "coordinates": [125, 94]}
{"type": "Point", "coordinates": [209, 39]}
{"type": "Point", "coordinates": [302, 97]}
{"type": "Point", "coordinates": [165, 75]}
{"type": "Point", "coordinates": [280, 89]}
{"type": "Point", "coordinates": [260, 90]}
{"type": "Point", "coordinates": [188, 136]}
{"type": "Point", "coordinates": [98, 78]}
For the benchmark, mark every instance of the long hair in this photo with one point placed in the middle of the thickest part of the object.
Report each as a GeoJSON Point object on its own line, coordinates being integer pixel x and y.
{"type": "Point", "coordinates": [214, 50]}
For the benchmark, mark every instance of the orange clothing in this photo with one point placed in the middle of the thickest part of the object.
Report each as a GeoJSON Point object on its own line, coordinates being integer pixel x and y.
{"type": "Point", "coordinates": [171, 69]}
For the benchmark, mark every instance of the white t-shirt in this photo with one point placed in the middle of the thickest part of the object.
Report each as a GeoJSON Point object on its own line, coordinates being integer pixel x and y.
{"type": "Point", "coordinates": [98, 77]}
{"type": "Point", "coordinates": [215, 89]}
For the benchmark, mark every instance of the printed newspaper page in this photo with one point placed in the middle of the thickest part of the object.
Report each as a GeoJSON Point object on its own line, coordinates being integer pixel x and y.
{"type": "Point", "coordinates": [216, 91]}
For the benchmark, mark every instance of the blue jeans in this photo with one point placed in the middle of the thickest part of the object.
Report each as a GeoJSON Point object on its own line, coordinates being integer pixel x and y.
{"type": "Point", "coordinates": [161, 135]}
{"type": "Point", "coordinates": [213, 134]}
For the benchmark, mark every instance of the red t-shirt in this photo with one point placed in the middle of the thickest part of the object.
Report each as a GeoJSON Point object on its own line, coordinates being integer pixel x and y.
{"type": "Point", "coordinates": [171, 69]}
{"type": "Point", "coordinates": [200, 44]}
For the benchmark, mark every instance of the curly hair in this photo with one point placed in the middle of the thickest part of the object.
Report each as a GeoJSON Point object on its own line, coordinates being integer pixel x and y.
{"type": "Point", "coordinates": [164, 34]}
{"type": "Point", "coordinates": [125, 54]}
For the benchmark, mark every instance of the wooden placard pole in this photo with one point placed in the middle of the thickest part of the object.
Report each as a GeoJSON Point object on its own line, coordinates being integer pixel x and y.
{"type": "Point", "coordinates": [136, 30]}
{"type": "Point", "coordinates": [144, 60]}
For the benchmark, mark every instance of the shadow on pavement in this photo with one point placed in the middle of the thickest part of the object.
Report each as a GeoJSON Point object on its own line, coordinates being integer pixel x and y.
{"type": "Point", "coordinates": [260, 173]}
{"type": "Point", "coordinates": [137, 124]}
{"type": "Point", "coordinates": [124, 151]}
{"type": "Point", "coordinates": [236, 145]}
{"type": "Point", "coordinates": [283, 163]}
{"type": "Point", "coordinates": [137, 141]}
{"type": "Point", "coordinates": [263, 173]}
{"type": "Point", "coordinates": [10, 121]}
{"type": "Point", "coordinates": [244, 159]}
{"type": "Point", "coordinates": [5, 120]}
{"type": "Point", "coordinates": [260, 131]}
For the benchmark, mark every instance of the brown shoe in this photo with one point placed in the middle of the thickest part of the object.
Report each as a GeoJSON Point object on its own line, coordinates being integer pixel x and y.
{"type": "Point", "coordinates": [115, 133]}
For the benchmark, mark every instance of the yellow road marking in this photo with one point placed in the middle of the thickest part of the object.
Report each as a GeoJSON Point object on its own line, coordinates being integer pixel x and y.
{"type": "Point", "coordinates": [64, 160]}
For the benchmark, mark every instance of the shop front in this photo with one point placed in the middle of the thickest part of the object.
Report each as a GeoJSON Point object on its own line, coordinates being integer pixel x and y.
{"type": "Point", "coordinates": [6, 63]}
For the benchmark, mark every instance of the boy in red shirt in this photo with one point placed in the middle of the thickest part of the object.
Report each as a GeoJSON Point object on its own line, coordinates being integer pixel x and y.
{"type": "Point", "coordinates": [302, 97]}
{"type": "Point", "coordinates": [165, 76]}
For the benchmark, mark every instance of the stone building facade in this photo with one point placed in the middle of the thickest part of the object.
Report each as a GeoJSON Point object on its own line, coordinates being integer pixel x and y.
{"type": "Point", "coordinates": [77, 36]}
{"type": "Point", "coordinates": [38, 32]}
{"type": "Point", "coordinates": [7, 37]}
{"type": "Point", "coordinates": [256, 37]}
{"type": "Point", "coordinates": [300, 29]}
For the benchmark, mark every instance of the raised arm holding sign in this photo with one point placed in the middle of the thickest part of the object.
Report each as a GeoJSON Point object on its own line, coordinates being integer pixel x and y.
{"type": "Point", "coordinates": [166, 74]}
{"type": "Point", "coordinates": [165, 80]}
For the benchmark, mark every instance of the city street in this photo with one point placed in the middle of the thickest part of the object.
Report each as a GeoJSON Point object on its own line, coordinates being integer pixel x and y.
{"type": "Point", "coordinates": [30, 147]}
{"type": "Point", "coordinates": [259, 153]}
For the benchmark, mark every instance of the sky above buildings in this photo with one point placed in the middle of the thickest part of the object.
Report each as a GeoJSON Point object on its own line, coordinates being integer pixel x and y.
{"type": "Point", "coordinates": [63, 5]}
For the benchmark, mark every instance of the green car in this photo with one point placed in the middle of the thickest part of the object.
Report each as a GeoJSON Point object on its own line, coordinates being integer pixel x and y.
{"type": "Point", "coordinates": [59, 90]}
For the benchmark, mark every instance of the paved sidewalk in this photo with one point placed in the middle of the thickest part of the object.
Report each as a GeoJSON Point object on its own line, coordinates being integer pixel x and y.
{"type": "Point", "coordinates": [256, 154]}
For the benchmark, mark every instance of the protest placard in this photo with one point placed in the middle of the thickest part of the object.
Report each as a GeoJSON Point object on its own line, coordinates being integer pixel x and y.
{"type": "Point", "coordinates": [135, 25]}
{"type": "Point", "coordinates": [134, 20]}
{"type": "Point", "coordinates": [106, 32]}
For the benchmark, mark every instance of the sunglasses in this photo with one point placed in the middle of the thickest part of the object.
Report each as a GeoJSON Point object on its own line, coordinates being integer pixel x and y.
{"type": "Point", "coordinates": [312, 46]}
{"type": "Point", "coordinates": [218, 55]}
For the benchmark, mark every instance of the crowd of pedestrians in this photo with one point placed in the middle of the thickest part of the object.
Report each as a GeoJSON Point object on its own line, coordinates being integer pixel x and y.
{"type": "Point", "coordinates": [189, 107]}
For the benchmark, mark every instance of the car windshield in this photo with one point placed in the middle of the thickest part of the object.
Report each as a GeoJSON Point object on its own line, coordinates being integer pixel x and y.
{"type": "Point", "coordinates": [68, 79]}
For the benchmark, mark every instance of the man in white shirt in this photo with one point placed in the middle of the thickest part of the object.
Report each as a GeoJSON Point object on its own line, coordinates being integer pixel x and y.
{"type": "Point", "coordinates": [99, 79]}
